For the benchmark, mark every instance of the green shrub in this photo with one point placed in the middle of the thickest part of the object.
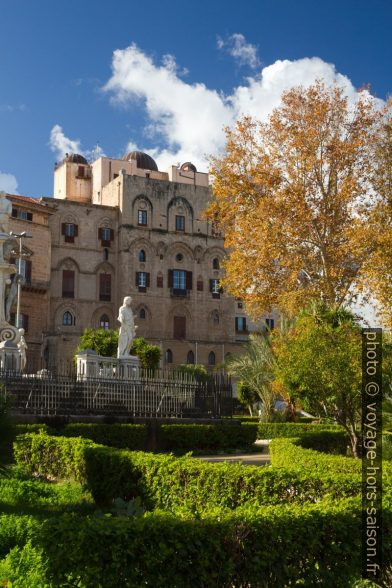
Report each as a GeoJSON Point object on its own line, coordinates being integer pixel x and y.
{"type": "Point", "coordinates": [274, 430]}
{"type": "Point", "coordinates": [123, 436]}
{"type": "Point", "coordinates": [149, 355]}
{"type": "Point", "coordinates": [206, 437]}
{"type": "Point", "coordinates": [165, 481]}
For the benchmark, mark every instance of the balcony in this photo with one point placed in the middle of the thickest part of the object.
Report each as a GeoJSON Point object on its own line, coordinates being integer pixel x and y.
{"type": "Point", "coordinates": [179, 293]}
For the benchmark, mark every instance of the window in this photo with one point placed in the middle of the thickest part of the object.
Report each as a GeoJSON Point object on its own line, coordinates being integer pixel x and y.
{"type": "Point", "coordinates": [22, 214]}
{"type": "Point", "coordinates": [190, 358]}
{"type": "Point", "coordinates": [179, 327]}
{"type": "Point", "coordinates": [180, 281]}
{"type": "Point", "coordinates": [168, 356]}
{"type": "Point", "coordinates": [105, 287]}
{"type": "Point", "coordinates": [142, 256]}
{"type": "Point", "coordinates": [142, 313]}
{"type": "Point", "coordinates": [270, 323]}
{"type": "Point", "coordinates": [215, 317]}
{"type": "Point", "coordinates": [240, 305]}
{"type": "Point", "coordinates": [70, 231]}
{"type": "Point", "coordinates": [142, 217]}
{"type": "Point", "coordinates": [179, 257]}
{"type": "Point", "coordinates": [105, 254]}
{"type": "Point", "coordinates": [240, 324]}
{"type": "Point", "coordinates": [142, 281]}
{"type": "Point", "coordinates": [68, 289]}
{"type": "Point", "coordinates": [23, 321]}
{"type": "Point", "coordinates": [159, 280]}
{"type": "Point", "coordinates": [80, 172]}
{"type": "Point", "coordinates": [199, 285]}
{"type": "Point", "coordinates": [211, 358]}
{"type": "Point", "coordinates": [25, 269]}
{"type": "Point", "coordinates": [106, 236]}
{"type": "Point", "coordinates": [215, 289]}
{"type": "Point", "coordinates": [215, 263]}
{"type": "Point", "coordinates": [68, 319]}
{"type": "Point", "coordinates": [104, 322]}
{"type": "Point", "coordinates": [180, 222]}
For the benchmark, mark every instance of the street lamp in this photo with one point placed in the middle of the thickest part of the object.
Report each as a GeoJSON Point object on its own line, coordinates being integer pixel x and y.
{"type": "Point", "coordinates": [19, 236]}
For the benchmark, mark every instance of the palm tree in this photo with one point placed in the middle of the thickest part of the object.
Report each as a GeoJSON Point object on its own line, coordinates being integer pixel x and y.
{"type": "Point", "coordinates": [255, 368]}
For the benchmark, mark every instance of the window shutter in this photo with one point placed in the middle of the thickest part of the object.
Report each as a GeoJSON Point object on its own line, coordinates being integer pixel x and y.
{"type": "Point", "coordinates": [28, 271]}
{"type": "Point", "coordinates": [63, 228]}
{"type": "Point", "coordinates": [100, 233]}
{"type": "Point", "coordinates": [76, 230]}
{"type": "Point", "coordinates": [170, 278]}
{"type": "Point", "coordinates": [147, 280]}
{"type": "Point", "coordinates": [189, 280]}
{"type": "Point", "coordinates": [244, 323]}
{"type": "Point", "coordinates": [111, 234]}
{"type": "Point", "coordinates": [236, 323]}
{"type": "Point", "coordinates": [211, 285]}
{"type": "Point", "coordinates": [220, 290]}
{"type": "Point", "coordinates": [137, 279]}
{"type": "Point", "coordinates": [15, 213]}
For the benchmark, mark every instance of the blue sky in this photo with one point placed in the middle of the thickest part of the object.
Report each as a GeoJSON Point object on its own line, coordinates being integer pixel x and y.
{"type": "Point", "coordinates": [166, 76]}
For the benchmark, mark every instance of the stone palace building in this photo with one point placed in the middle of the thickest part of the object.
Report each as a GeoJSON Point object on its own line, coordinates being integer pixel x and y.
{"type": "Point", "coordinates": [118, 227]}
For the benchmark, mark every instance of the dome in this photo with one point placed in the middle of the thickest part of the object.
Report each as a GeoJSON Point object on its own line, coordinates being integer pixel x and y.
{"type": "Point", "coordinates": [75, 158]}
{"type": "Point", "coordinates": [143, 161]}
{"type": "Point", "coordinates": [189, 167]}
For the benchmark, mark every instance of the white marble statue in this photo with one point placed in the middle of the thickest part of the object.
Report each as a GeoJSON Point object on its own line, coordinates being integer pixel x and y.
{"type": "Point", "coordinates": [22, 346]}
{"type": "Point", "coordinates": [127, 330]}
{"type": "Point", "coordinates": [5, 213]}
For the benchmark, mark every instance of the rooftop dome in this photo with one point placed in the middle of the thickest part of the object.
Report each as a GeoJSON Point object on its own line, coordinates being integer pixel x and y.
{"type": "Point", "coordinates": [188, 166]}
{"type": "Point", "coordinates": [143, 161]}
{"type": "Point", "coordinates": [75, 158]}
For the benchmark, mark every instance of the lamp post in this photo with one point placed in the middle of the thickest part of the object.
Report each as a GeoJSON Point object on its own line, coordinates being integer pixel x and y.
{"type": "Point", "coordinates": [19, 236]}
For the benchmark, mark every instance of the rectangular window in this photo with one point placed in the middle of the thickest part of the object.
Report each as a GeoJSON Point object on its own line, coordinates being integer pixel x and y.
{"type": "Point", "coordinates": [68, 284]}
{"type": "Point", "coordinates": [105, 287]}
{"type": "Point", "coordinates": [106, 236]}
{"type": "Point", "coordinates": [22, 214]}
{"type": "Point", "coordinates": [142, 217]}
{"type": "Point", "coordinates": [180, 223]}
{"type": "Point", "coordinates": [270, 323]}
{"type": "Point", "coordinates": [215, 289]}
{"type": "Point", "coordinates": [70, 231]}
{"type": "Point", "coordinates": [80, 171]}
{"type": "Point", "coordinates": [240, 324]}
{"type": "Point", "coordinates": [25, 269]}
{"type": "Point", "coordinates": [179, 327]}
{"type": "Point", "coordinates": [142, 281]}
{"type": "Point", "coordinates": [179, 280]}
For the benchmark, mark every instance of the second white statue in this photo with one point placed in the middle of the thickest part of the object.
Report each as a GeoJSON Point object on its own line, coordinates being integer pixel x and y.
{"type": "Point", "coordinates": [127, 329]}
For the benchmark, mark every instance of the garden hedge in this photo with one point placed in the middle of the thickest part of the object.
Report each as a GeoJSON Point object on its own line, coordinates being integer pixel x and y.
{"type": "Point", "coordinates": [206, 437]}
{"type": "Point", "coordinates": [123, 436]}
{"type": "Point", "coordinates": [278, 430]}
{"type": "Point", "coordinates": [165, 481]}
{"type": "Point", "coordinates": [285, 545]}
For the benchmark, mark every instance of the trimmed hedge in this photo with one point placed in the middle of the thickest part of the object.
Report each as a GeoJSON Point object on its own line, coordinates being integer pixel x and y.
{"type": "Point", "coordinates": [278, 430]}
{"type": "Point", "coordinates": [273, 546]}
{"type": "Point", "coordinates": [206, 437]}
{"type": "Point", "coordinates": [123, 436]}
{"type": "Point", "coordinates": [168, 482]}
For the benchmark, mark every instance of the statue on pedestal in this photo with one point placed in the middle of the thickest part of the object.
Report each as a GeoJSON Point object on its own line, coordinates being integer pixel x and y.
{"type": "Point", "coordinates": [5, 213]}
{"type": "Point", "coordinates": [127, 330]}
{"type": "Point", "coordinates": [22, 346]}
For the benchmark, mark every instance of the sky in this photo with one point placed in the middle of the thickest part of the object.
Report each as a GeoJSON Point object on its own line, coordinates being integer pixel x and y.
{"type": "Point", "coordinates": [166, 77]}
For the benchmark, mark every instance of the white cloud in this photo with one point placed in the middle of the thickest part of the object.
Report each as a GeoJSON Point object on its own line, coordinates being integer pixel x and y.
{"type": "Point", "coordinates": [244, 53]}
{"type": "Point", "coordinates": [188, 119]}
{"type": "Point", "coordinates": [61, 145]}
{"type": "Point", "coordinates": [8, 183]}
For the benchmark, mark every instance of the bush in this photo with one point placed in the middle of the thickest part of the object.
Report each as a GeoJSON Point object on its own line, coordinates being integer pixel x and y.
{"type": "Point", "coordinates": [312, 545]}
{"type": "Point", "coordinates": [167, 482]}
{"type": "Point", "coordinates": [274, 430]}
{"type": "Point", "coordinates": [123, 436]}
{"type": "Point", "coordinates": [149, 355]}
{"type": "Point", "coordinates": [206, 437]}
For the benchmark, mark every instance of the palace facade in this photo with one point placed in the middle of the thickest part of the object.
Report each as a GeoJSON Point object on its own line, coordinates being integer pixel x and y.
{"type": "Point", "coordinates": [120, 227]}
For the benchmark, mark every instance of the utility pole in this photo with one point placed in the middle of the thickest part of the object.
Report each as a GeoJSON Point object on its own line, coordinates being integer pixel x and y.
{"type": "Point", "coordinates": [19, 236]}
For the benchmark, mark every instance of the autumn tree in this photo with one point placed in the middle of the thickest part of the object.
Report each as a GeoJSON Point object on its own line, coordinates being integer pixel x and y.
{"type": "Point", "coordinates": [293, 195]}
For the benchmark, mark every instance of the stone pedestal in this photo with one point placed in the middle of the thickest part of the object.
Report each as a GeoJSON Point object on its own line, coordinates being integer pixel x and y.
{"type": "Point", "coordinates": [90, 365]}
{"type": "Point", "coordinates": [10, 357]}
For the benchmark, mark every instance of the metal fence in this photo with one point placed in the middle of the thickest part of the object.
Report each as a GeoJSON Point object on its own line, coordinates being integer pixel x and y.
{"type": "Point", "coordinates": [162, 393]}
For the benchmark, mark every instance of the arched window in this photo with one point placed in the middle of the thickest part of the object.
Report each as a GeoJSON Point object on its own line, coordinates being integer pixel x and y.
{"type": "Point", "coordinates": [169, 356]}
{"type": "Point", "coordinates": [104, 322]}
{"type": "Point", "coordinates": [142, 256]}
{"type": "Point", "coordinates": [215, 263]}
{"type": "Point", "coordinates": [215, 317]}
{"type": "Point", "coordinates": [68, 319]}
{"type": "Point", "coordinates": [211, 358]}
{"type": "Point", "coordinates": [105, 254]}
{"type": "Point", "coordinates": [142, 313]}
{"type": "Point", "coordinates": [190, 358]}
